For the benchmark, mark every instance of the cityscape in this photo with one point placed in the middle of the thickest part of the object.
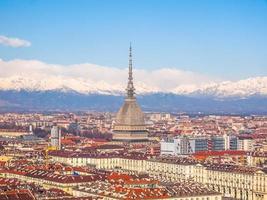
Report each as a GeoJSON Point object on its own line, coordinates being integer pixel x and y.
{"type": "Point", "coordinates": [128, 133]}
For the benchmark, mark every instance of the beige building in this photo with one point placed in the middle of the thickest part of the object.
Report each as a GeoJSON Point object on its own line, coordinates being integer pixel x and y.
{"type": "Point", "coordinates": [246, 183]}
{"type": "Point", "coordinates": [50, 180]}
{"type": "Point", "coordinates": [107, 192]}
{"type": "Point", "coordinates": [234, 181]}
{"type": "Point", "coordinates": [257, 158]}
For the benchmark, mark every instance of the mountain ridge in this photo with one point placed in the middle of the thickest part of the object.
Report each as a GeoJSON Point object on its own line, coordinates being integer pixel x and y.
{"type": "Point", "coordinates": [61, 93]}
{"type": "Point", "coordinates": [55, 100]}
{"type": "Point", "coordinates": [226, 89]}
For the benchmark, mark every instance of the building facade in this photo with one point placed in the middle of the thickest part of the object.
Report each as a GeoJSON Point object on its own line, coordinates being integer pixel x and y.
{"type": "Point", "coordinates": [56, 137]}
{"type": "Point", "coordinates": [246, 183]}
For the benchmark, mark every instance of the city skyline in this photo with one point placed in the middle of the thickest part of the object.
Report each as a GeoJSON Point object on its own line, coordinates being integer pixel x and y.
{"type": "Point", "coordinates": [140, 100]}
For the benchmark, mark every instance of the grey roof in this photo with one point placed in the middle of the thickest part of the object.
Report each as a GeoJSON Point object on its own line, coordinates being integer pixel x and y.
{"type": "Point", "coordinates": [130, 113]}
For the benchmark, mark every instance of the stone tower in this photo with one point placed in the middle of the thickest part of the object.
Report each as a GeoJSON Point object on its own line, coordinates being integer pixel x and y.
{"type": "Point", "coordinates": [130, 122]}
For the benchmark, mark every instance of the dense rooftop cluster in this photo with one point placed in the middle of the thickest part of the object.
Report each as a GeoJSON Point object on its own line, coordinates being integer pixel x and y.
{"type": "Point", "coordinates": [123, 186]}
{"type": "Point", "coordinates": [232, 168]}
{"type": "Point", "coordinates": [27, 161]}
{"type": "Point", "coordinates": [175, 160]}
{"type": "Point", "coordinates": [14, 189]}
{"type": "Point", "coordinates": [186, 188]}
{"type": "Point", "coordinates": [95, 154]}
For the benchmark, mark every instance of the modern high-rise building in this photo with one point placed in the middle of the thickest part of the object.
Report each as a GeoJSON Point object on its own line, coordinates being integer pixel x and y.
{"type": "Point", "coordinates": [178, 145]}
{"type": "Point", "coordinates": [217, 143]}
{"type": "Point", "coordinates": [198, 144]}
{"type": "Point", "coordinates": [130, 121]}
{"type": "Point", "coordinates": [56, 137]}
{"type": "Point", "coordinates": [230, 142]}
{"type": "Point", "coordinates": [182, 145]}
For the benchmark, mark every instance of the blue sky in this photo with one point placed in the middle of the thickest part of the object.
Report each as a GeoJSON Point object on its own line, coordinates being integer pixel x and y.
{"type": "Point", "coordinates": [226, 39]}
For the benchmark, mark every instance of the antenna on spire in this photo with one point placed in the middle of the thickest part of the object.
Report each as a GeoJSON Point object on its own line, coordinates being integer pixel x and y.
{"type": "Point", "coordinates": [130, 88]}
{"type": "Point", "coordinates": [130, 63]}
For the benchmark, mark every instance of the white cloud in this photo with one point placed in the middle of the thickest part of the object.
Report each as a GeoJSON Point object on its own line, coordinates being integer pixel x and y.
{"type": "Point", "coordinates": [32, 74]}
{"type": "Point", "coordinates": [14, 42]}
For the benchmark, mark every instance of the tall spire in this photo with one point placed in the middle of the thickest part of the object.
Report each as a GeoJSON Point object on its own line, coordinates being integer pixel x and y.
{"type": "Point", "coordinates": [130, 88]}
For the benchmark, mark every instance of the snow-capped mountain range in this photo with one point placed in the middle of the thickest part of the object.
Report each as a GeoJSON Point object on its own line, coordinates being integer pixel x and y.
{"type": "Point", "coordinates": [240, 89]}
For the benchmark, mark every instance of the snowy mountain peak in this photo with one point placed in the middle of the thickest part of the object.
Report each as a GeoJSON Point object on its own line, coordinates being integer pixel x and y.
{"type": "Point", "coordinates": [242, 88]}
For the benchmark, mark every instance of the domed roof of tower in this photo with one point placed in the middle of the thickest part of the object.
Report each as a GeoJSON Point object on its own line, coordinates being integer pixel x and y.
{"type": "Point", "coordinates": [130, 114]}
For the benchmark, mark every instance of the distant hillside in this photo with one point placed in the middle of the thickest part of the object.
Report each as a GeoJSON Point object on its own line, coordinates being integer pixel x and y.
{"type": "Point", "coordinates": [23, 100]}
